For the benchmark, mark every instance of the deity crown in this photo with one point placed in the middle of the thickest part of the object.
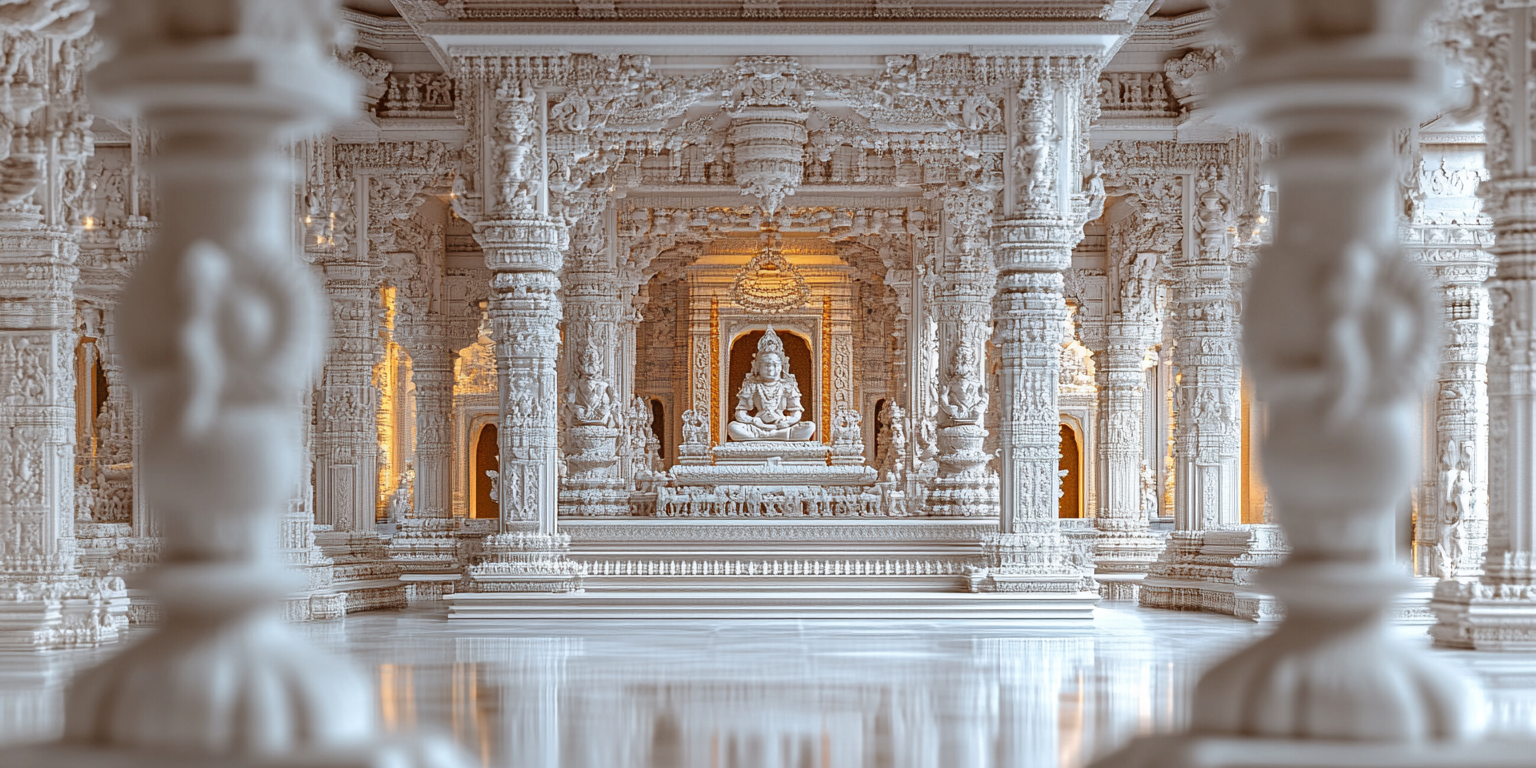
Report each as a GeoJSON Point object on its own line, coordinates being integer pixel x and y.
{"type": "Point", "coordinates": [770, 342]}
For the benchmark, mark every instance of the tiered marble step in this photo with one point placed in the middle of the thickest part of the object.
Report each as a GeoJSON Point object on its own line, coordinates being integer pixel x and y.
{"type": "Point", "coordinates": [363, 570]}
{"type": "Point", "coordinates": [775, 568]}
{"type": "Point", "coordinates": [776, 554]}
{"type": "Point", "coordinates": [763, 604]}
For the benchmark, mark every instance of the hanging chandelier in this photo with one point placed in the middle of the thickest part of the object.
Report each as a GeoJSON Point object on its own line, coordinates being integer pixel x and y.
{"type": "Point", "coordinates": [769, 284]}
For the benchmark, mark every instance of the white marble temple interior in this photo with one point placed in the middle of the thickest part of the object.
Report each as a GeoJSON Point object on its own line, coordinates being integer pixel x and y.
{"type": "Point", "coordinates": [738, 383]}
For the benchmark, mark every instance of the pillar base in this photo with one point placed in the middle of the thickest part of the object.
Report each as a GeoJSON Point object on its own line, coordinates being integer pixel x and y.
{"type": "Point", "coordinates": [426, 545]}
{"type": "Point", "coordinates": [66, 611]}
{"type": "Point", "coordinates": [963, 487]}
{"type": "Point", "coordinates": [526, 562]}
{"type": "Point", "coordinates": [1122, 559]}
{"type": "Point", "coordinates": [427, 551]}
{"type": "Point", "coordinates": [362, 569]}
{"type": "Point", "coordinates": [1188, 751]}
{"type": "Point", "coordinates": [1484, 617]}
{"type": "Point", "coordinates": [1215, 571]}
{"type": "Point", "coordinates": [1042, 561]}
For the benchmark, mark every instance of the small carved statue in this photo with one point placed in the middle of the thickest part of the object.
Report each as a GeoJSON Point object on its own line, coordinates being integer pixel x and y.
{"type": "Point", "coordinates": [1149, 492]}
{"type": "Point", "coordinates": [400, 501]}
{"type": "Point", "coordinates": [964, 399]}
{"type": "Point", "coordinates": [590, 400]}
{"type": "Point", "coordinates": [846, 428]}
{"type": "Point", "coordinates": [1456, 474]}
{"type": "Point", "coordinates": [695, 430]}
{"type": "Point", "coordinates": [770, 391]}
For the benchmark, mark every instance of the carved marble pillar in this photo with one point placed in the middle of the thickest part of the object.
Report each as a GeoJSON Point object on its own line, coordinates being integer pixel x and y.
{"type": "Point", "coordinates": [528, 555]}
{"type": "Point", "coordinates": [1453, 523]}
{"type": "Point", "coordinates": [1339, 340]}
{"type": "Point", "coordinates": [592, 407]}
{"type": "Point", "coordinates": [347, 440]}
{"type": "Point", "coordinates": [432, 372]}
{"type": "Point", "coordinates": [44, 603]}
{"type": "Point", "coordinates": [522, 246]}
{"type": "Point", "coordinates": [1032, 246]}
{"type": "Point", "coordinates": [1125, 547]}
{"type": "Point", "coordinates": [1498, 610]}
{"type": "Point", "coordinates": [425, 545]}
{"type": "Point", "coordinates": [114, 433]}
{"type": "Point", "coordinates": [1207, 438]}
{"type": "Point", "coordinates": [964, 485]}
{"type": "Point", "coordinates": [221, 329]}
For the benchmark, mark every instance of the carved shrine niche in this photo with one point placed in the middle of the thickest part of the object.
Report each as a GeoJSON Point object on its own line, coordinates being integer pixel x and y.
{"type": "Point", "coordinates": [690, 324]}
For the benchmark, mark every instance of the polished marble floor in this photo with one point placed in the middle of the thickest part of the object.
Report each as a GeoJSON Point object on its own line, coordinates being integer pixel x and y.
{"type": "Point", "coordinates": [778, 694]}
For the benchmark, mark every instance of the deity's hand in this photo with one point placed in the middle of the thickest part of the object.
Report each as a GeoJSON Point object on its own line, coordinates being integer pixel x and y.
{"type": "Point", "coordinates": [790, 419]}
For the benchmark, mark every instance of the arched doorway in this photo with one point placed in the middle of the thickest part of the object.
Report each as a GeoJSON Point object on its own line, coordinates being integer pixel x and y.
{"type": "Point", "coordinates": [659, 427]}
{"type": "Point", "coordinates": [487, 458]}
{"type": "Point", "coordinates": [1069, 468]}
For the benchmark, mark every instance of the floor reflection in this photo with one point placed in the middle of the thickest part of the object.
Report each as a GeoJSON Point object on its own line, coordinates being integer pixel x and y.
{"type": "Point", "coordinates": [776, 694]}
{"type": "Point", "coordinates": [790, 694]}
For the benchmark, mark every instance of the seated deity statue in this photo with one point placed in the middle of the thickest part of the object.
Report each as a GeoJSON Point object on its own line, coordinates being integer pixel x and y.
{"type": "Point", "coordinates": [768, 405]}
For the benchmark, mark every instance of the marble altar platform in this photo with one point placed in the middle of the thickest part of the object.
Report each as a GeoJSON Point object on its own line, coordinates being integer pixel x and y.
{"type": "Point", "coordinates": [775, 568]}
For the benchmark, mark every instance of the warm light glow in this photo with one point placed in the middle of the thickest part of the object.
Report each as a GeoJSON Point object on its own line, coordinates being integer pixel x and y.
{"type": "Point", "coordinates": [90, 222]}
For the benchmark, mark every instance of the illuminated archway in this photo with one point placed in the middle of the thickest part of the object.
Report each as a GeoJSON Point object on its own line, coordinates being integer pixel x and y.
{"type": "Point", "coordinates": [1071, 462]}
{"type": "Point", "coordinates": [486, 459]}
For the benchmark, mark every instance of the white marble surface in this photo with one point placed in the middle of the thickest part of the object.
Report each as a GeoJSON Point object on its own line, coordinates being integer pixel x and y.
{"type": "Point", "coordinates": [776, 694]}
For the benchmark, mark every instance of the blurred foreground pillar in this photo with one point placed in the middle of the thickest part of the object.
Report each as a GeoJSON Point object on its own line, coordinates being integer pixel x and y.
{"type": "Point", "coordinates": [221, 329]}
{"type": "Point", "coordinates": [1340, 340]}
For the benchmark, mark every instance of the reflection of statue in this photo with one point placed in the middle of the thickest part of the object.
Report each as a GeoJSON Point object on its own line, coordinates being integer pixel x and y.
{"type": "Point", "coordinates": [963, 398]}
{"type": "Point", "coordinates": [772, 392]}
